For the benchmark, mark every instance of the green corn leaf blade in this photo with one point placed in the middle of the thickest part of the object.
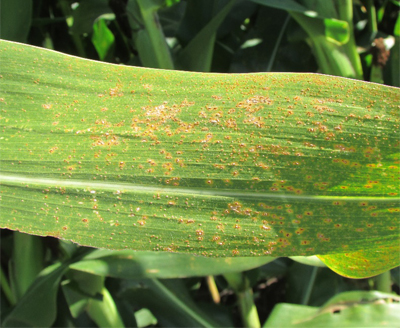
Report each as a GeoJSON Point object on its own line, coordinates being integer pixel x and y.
{"type": "Point", "coordinates": [197, 55]}
{"type": "Point", "coordinates": [277, 164]}
{"type": "Point", "coordinates": [150, 41]}
{"type": "Point", "coordinates": [85, 15]}
{"type": "Point", "coordinates": [348, 309]}
{"type": "Point", "coordinates": [321, 18]}
{"type": "Point", "coordinates": [332, 39]}
{"type": "Point", "coordinates": [309, 260]}
{"type": "Point", "coordinates": [76, 300]}
{"type": "Point", "coordinates": [145, 318]}
{"type": "Point", "coordinates": [396, 30]}
{"type": "Point", "coordinates": [27, 261]}
{"type": "Point", "coordinates": [104, 312]}
{"type": "Point", "coordinates": [171, 303]}
{"type": "Point", "coordinates": [102, 38]}
{"type": "Point", "coordinates": [359, 264]}
{"type": "Point", "coordinates": [100, 306]}
{"type": "Point", "coordinates": [12, 13]}
{"type": "Point", "coordinates": [336, 30]}
{"type": "Point", "coordinates": [87, 283]}
{"type": "Point", "coordinates": [322, 22]}
{"type": "Point", "coordinates": [128, 264]}
{"type": "Point", "coordinates": [38, 306]}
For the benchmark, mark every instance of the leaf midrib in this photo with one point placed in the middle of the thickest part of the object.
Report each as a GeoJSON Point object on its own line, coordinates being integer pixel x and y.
{"type": "Point", "coordinates": [130, 187]}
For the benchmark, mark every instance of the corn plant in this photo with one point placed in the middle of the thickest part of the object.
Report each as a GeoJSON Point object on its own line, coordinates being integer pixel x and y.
{"type": "Point", "coordinates": [172, 174]}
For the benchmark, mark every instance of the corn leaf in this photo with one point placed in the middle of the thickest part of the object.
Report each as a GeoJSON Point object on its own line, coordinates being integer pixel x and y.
{"type": "Point", "coordinates": [348, 309]}
{"type": "Point", "coordinates": [277, 164]}
{"type": "Point", "coordinates": [40, 298]}
{"type": "Point", "coordinates": [128, 264]}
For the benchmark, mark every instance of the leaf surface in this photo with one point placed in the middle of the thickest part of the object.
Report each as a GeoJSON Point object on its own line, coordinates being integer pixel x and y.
{"type": "Point", "coordinates": [348, 309]}
{"type": "Point", "coordinates": [37, 307]}
{"type": "Point", "coordinates": [170, 303]}
{"type": "Point", "coordinates": [277, 164]}
{"type": "Point", "coordinates": [197, 55]}
{"type": "Point", "coordinates": [129, 264]}
{"type": "Point", "coordinates": [12, 13]}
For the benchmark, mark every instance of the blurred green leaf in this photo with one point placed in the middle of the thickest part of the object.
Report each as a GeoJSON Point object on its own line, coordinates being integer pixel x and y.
{"type": "Point", "coordinates": [76, 300]}
{"type": "Point", "coordinates": [251, 43]}
{"type": "Point", "coordinates": [336, 30]}
{"type": "Point", "coordinates": [37, 307]}
{"type": "Point", "coordinates": [15, 19]}
{"type": "Point", "coordinates": [104, 312]}
{"type": "Point", "coordinates": [392, 69]}
{"type": "Point", "coordinates": [85, 15]}
{"type": "Point", "coordinates": [349, 298]}
{"type": "Point", "coordinates": [170, 3]}
{"type": "Point", "coordinates": [208, 164]}
{"type": "Point", "coordinates": [145, 318]}
{"type": "Point", "coordinates": [350, 309]}
{"type": "Point", "coordinates": [170, 19]}
{"type": "Point", "coordinates": [86, 292]}
{"type": "Point", "coordinates": [307, 285]}
{"type": "Point", "coordinates": [170, 303]}
{"type": "Point", "coordinates": [395, 273]}
{"type": "Point", "coordinates": [7, 296]}
{"type": "Point", "coordinates": [26, 262]}
{"type": "Point", "coordinates": [102, 38]}
{"type": "Point", "coordinates": [278, 51]}
{"type": "Point", "coordinates": [138, 265]}
{"type": "Point", "coordinates": [331, 39]}
{"type": "Point", "coordinates": [301, 282]}
{"type": "Point", "coordinates": [309, 260]}
{"type": "Point", "coordinates": [150, 41]}
{"type": "Point", "coordinates": [87, 283]}
{"type": "Point", "coordinates": [289, 5]}
{"type": "Point", "coordinates": [396, 30]}
{"type": "Point", "coordinates": [197, 54]}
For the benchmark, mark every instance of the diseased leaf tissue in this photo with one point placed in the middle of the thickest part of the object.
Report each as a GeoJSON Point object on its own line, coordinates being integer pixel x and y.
{"type": "Point", "coordinates": [274, 164]}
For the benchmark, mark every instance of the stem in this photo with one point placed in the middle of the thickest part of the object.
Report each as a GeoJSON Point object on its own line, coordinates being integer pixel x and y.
{"type": "Point", "coordinates": [212, 287]}
{"type": "Point", "coordinates": [5, 286]}
{"type": "Point", "coordinates": [372, 21]}
{"type": "Point", "coordinates": [317, 43]}
{"type": "Point", "coordinates": [340, 60]}
{"type": "Point", "coordinates": [244, 293]}
{"type": "Point", "coordinates": [376, 72]}
{"type": "Point", "coordinates": [310, 286]}
{"type": "Point", "coordinates": [345, 9]}
{"type": "Point", "coordinates": [384, 282]}
{"type": "Point", "coordinates": [248, 309]}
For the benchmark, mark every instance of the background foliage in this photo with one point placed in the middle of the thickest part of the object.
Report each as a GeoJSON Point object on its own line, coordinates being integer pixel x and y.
{"type": "Point", "coordinates": [49, 282]}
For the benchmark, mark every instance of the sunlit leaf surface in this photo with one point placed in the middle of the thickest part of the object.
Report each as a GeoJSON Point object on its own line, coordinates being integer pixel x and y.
{"type": "Point", "coordinates": [272, 164]}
